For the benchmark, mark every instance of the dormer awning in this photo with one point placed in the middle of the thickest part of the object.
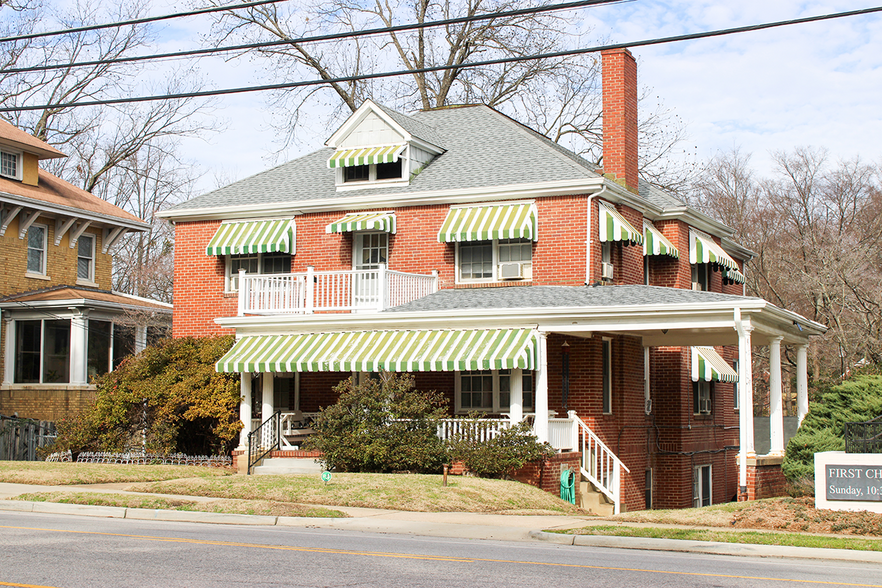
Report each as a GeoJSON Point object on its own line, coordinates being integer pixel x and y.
{"type": "Point", "coordinates": [708, 365]}
{"type": "Point", "coordinates": [614, 227]}
{"type": "Point", "coordinates": [703, 249]}
{"type": "Point", "coordinates": [259, 236]}
{"type": "Point", "coordinates": [366, 155]}
{"type": "Point", "coordinates": [485, 223]}
{"type": "Point", "coordinates": [654, 243]}
{"type": "Point", "coordinates": [364, 221]}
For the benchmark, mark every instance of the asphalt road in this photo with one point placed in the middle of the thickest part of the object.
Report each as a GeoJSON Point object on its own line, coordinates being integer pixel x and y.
{"type": "Point", "coordinates": [63, 551]}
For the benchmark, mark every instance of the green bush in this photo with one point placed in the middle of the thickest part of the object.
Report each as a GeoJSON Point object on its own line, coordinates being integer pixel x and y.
{"type": "Point", "coordinates": [381, 425]}
{"type": "Point", "coordinates": [500, 456]}
{"type": "Point", "coordinates": [823, 429]}
{"type": "Point", "coordinates": [169, 391]}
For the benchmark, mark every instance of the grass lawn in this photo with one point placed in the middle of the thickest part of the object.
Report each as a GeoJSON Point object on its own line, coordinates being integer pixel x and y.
{"type": "Point", "coordinates": [63, 474]}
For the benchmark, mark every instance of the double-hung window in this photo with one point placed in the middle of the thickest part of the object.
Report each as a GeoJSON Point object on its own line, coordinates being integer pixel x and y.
{"type": "Point", "coordinates": [702, 494]}
{"type": "Point", "coordinates": [702, 397]}
{"type": "Point", "coordinates": [490, 391]}
{"type": "Point", "coordinates": [496, 260]}
{"type": "Point", "coordinates": [86, 258]}
{"type": "Point", "coordinates": [700, 277]}
{"type": "Point", "coordinates": [42, 351]}
{"type": "Point", "coordinates": [255, 263]}
{"type": "Point", "coordinates": [37, 249]}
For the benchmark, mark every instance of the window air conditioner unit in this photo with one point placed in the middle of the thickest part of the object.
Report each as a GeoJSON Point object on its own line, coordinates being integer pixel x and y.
{"type": "Point", "coordinates": [606, 271]}
{"type": "Point", "coordinates": [696, 287]}
{"type": "Point", "coordinates": [511, 271]}
{"type": "Point", "coordinates": [704, 406]}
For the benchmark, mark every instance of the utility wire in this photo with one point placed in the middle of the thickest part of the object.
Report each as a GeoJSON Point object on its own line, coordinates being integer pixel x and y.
{"type": "Point", "coordinates": [503, 60]}
{"type": "Point", "coordinates": [319, 38]}
{"type": "Point", "coordinates": [136, 21]}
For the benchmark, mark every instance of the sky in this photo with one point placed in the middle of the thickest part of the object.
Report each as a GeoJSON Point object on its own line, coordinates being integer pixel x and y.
{"type": "Point", "coordinates": [810, 85]}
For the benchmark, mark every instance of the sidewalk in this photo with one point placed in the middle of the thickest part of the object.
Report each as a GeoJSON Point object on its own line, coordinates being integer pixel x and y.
{"type": "Point", "coordinates": [445, 524]}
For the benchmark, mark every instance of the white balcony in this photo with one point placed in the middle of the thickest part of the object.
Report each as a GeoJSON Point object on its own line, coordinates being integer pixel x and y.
{"type": "Point", "coordinates": [371, 290]}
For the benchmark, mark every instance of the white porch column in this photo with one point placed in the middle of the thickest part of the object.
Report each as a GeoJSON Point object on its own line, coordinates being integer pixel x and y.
{"type": "Point", "coordinates": [9, 349]}
{"type": "Point", "coordinates": [268, 402]}
{"type": "Point", "coordinates": [516, 397]}
{"type": "Point", "coordinates": [541, 401]}
{"type": "Point", "coordinates": [79, 337]}
{"type": "Point", "coordinates": [776, 402]}
{"type": "Point", "coordinates": [245, 408]}
{"type": "Point", "coordinates": [140, 338]}
{"type": "Point", "coordinates": [802, 404]}
{"type": "Point", "coordinates": [745, 391]}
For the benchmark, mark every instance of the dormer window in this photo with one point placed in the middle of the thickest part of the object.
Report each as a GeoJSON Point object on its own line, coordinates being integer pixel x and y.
{"type": "Point", "coordinates": [10, 165]}
{"type": "Point", "coordinates": [375, 172]}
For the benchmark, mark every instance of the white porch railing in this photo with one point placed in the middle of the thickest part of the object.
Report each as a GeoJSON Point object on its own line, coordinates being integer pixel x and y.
{"type": "Point", "coordinates": [345, 290]}
{"type": "Point", "coordinates": [483, 429]}
{"type": "Point", "coordinates": [599, 464]}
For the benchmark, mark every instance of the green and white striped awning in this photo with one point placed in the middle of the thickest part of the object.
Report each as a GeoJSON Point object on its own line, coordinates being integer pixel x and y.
{"type": "Point", "coordinates": [614, 227]}
{"type": "Point", "coordinates": [703, 249]}
{"type": "Point", "coordinates": [654, 243]}
{"type": "Point", "coordinates": [263, 236]}
{"type": "Point", "coordinates": [371, 351]}
{"type": "Point", "coordinates": [734, 275]}
{"type": "Point", "coordinates": [366, 155]}
{"type": "Point", "coordinates": [364, 221]}
{"type": "Point", "coordinates": [484, 223]}
{"type": "Point", "coordinates": [708, 365]}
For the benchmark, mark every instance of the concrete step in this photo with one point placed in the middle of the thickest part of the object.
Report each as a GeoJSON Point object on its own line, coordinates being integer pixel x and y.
{"type": "Point", "coordinates": [289, 465]}
{"type": "Point", "coordinates": [594, 500]}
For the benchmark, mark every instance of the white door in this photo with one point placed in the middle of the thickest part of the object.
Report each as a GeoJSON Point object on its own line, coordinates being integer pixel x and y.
{"type": "Point", "coordinates": [369, 251]}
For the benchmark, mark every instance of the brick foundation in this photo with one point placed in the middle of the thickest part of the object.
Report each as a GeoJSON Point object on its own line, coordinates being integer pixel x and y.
{"type": "Point", "coordinates": [546, 474]}
{"type": "Point", "coordinates": [46, 404]}
{"type": "Point", "coordinates": [765, 479]}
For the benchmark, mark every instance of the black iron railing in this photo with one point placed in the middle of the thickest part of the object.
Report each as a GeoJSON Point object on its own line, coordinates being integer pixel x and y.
{"type": "Point", "coordinates": [864, 437]}
{"type": "Point", "coordinates": [264, 439]}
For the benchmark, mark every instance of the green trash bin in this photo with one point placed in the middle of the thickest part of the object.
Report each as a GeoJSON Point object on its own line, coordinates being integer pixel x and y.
{"type": "Point", "coordinates": [568, 486]}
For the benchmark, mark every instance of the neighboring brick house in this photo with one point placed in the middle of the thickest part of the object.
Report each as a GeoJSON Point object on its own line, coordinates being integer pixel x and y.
{"type": "Point", "coordinates": [505, 271]}
{"type": "Point", "coordinates": [62, 323]}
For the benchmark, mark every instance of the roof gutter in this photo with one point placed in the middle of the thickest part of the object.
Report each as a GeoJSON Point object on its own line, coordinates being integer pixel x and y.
{"type": "Point", "coordinates": [588, 238]}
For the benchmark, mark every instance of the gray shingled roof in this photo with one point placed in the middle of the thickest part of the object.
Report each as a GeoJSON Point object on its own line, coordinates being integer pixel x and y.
{"type": "Point", "coordinates": [414, 127]}
{"type": "Point", "coordinates": [484, 149]}
{"type": "Point", "coordinates": [561, 297]}
{"type": "Point", "coordinates": [659, 197]}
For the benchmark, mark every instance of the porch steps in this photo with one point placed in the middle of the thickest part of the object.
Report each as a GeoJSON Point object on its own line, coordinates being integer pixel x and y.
{"type": "Point", "coordinates": [288, 465]}
{"type": "Point", "coordinates": [594, 500]}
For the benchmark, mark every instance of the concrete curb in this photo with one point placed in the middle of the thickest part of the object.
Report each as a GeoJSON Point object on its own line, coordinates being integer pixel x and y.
{"type": "Point", "coordinates": [709, 547]}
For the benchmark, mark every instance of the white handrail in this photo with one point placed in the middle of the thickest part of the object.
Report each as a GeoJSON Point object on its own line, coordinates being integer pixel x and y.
{"type": "Point", "coordinates": [599, 464]}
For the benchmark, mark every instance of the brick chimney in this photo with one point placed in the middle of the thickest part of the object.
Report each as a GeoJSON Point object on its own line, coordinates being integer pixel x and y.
{"type": "Point", "coordinates": [620, 116]}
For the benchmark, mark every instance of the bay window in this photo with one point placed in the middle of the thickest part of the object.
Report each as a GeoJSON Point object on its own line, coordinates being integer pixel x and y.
{"type": "Point", "coordinates": [490, 391]}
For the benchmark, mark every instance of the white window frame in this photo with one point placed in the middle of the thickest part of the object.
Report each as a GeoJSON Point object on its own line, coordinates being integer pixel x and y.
{"type": "Point", "coordinates": [736, 399]}
{"type": "Point", "coordinates": [497, 408]}
{"type": "Point", "coordinates": [701, 282]}
{"type": "Point", "coordinates": [19, 164]}
{"type": "Point", "coordinates": [705, 392]}
{"type": "Point", "coordinates": [698, 489]}
{"type": "Point", "coordinates": [90, 279]}
{"type": "Point", "coordinates": [606, 380]}
{"type": "Point", "coordinates": [404, 180]}
{"type": "Point", "coordinates": [231, 282]}
{"type": "Point", "coordinates": [43, 271]}
{"type": "Point", "coordinates": [494, 278]}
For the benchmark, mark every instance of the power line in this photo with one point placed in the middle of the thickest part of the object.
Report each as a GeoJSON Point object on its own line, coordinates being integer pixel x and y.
{"type": "Point", "coordinates": [503, 60]}
{"type": "Point", "coordinates": [319, 38]}
{"type": "Point", "coordinates": [136, 21]}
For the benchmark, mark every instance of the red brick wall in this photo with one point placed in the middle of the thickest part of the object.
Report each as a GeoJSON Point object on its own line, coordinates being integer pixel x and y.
{"type": "Point", "coordinates": [546, 474]}
{"type": "Point", "coordinates": [765, 480]}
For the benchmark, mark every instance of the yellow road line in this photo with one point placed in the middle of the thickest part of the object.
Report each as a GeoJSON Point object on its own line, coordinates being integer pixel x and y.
{"type": "Point", "coordinates": [24, 585]}
{"type": "Point", "coordinates": [424, 557]}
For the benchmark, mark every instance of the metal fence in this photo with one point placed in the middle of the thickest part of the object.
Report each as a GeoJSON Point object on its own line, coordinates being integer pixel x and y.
{"type": "Point", "coordinates": [21, 438]}
{"type": "Point", "coordinates": [864, 437]}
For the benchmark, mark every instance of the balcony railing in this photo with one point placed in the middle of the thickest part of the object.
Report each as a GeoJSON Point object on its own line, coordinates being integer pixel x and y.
{"type": "Point", "coordinates": [370, 290]}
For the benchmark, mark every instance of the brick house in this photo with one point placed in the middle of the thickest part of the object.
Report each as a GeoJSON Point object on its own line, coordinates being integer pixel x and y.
{"type": "Point", "coordinates": [62, 323]}
{"type": "Point", "coordinates": [509, 273]}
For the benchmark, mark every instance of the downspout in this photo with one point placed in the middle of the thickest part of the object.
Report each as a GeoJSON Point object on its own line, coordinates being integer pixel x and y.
{"type": "Point", "coordinates": [588, 240]}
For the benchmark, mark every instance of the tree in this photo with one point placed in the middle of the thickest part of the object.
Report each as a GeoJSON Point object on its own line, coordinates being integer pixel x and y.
{"type": "Point", "coordinates": [558, 96]}
{"type": "Point", "coordinates": [816, 229]}
{"type": "Point", "coordinates": [107, 145]}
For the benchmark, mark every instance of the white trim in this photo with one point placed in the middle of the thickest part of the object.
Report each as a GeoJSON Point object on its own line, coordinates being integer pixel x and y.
{"type": "Point", "coordinates": [43, 270]}
{"type": "Point", "coordinates": [91, 277]}
{"type": "Point", "coordinates": [62, 225]}
{"type": "Point", "coordinates": [26, 220]}
{"type": "Point", "coordinates": [494, 254]}
{"type": "Point", "coordinates": [78, 230]}
{"type": "Point", "coordinates": [80, 213]}
{"type": "Point", "coordinates": [19, 163]}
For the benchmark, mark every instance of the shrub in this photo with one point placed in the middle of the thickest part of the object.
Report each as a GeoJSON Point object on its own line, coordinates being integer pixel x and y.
{"type": "Point", "coordinates": [169, 391]}
{"type": "Point", "coordinates": [500, 456]}
{"type": "Point", "coordinates": [823, 429]}
{"type": "Point", "coordinates": [381, 425]}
